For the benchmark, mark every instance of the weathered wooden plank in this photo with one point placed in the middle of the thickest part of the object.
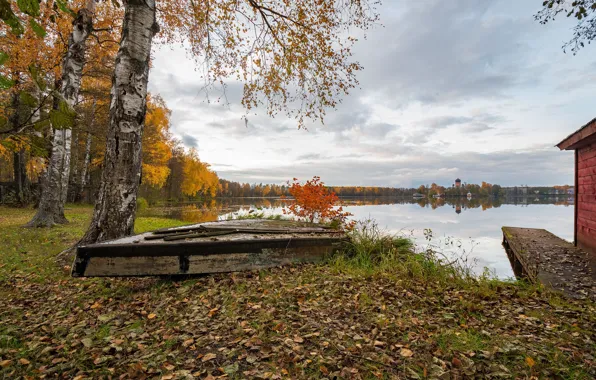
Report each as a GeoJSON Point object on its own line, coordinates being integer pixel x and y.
{"type": "Point", "coordinates": [586, 172]}
{"type": "Point", "coordinates": [586, 206]}
{"type": "Point", "coordinates": [586, 222]}
{"type": "Point", "coordinates": [192, 235]}
{"type": "Point", "coordinates": [587, 152]}
{"type": "Point", "coordinates": [590, 215]}
{"type": "Point", "coordinates": [177, 248]}
{"type": "Point", "coordinates": [267, 258]}
{"type": "Point", "coordinates": [553, 261]}
{"type": "Point", "coordinates": [195, 264]}
{"type": "Point", "coordinates": [132, 266]}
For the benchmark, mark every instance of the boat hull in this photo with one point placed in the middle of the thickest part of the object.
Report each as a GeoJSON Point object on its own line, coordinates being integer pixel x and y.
{"type": "Point", "coordinates": [240, 250]}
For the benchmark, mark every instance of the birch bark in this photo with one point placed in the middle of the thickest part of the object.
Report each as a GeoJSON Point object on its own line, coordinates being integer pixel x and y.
{"type": "Point", "coordinates": [85, 168]}
{"type": "Point", "coordinates": [115, 207]}
{"type": "Point", "coordinates": [54, 183]}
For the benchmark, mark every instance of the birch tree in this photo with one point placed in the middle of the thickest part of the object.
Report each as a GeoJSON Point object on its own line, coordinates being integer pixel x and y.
{"type": "Point", "coordinates": [293, 56]}
{"type": "Point", "coordinates": [116, 203]}
{"type": "Point", "coordinates": [54, 182]}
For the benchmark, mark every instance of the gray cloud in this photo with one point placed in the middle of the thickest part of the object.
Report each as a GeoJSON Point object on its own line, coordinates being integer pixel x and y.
{"type": "Point", "coordinates": [190, 141]}
{"type": "Point", "coordinates": [444, 52]}
{"type": "Point", "coordinates": [534, 167]}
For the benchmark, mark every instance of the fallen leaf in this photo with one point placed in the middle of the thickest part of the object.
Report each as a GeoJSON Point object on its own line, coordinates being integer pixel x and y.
{"type": "Point", "coordinates": [456, 362]}
{"type": "Point", "coordinates": [406, 353]}
{"type": "Point", "coordinates": [231, 369]}
{"type": "Point", "coordinates": [209, 356]}
{"type": "Point", "coordinates": [298, 339]}
{"type": "Point", "coordinates": [151, 316]}
{"type": "Point", "coordinates": [96, 305]}
{"type": "Point", "coordinates": [530, 362]}
{"type": "Point", "coordinates": [324, 370]}
{"type": "Point", "coordinates": [87, 342]}
{"type": "Point", "coordinates": [213, 311]}
{"type": "Point", "coordinates": [5, 363]}
{"type": "Point", "coordinates": [24, 361]}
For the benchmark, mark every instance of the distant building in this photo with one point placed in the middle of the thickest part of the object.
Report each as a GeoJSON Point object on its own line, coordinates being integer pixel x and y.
{"type": "Point", "coordinates": [583, 142]}
{"type": "Point", "coordinates": [458, 182]}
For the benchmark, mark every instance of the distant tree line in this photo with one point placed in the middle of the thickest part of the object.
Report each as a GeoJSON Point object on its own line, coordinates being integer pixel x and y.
{"type": "Point", "coordinates": [236, 189]}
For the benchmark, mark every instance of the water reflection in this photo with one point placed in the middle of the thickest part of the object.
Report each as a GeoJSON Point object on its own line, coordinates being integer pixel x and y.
{"type": "Point", "coordinates": [474, 225]}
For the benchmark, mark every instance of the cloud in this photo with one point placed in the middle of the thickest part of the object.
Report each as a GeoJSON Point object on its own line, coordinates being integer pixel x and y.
{"type": "Point", "coordinates": [190, 141]}
{"type": "Point", "coordinates": [445, 52]}
{"type": "Point", "coordinates": [533, 167]}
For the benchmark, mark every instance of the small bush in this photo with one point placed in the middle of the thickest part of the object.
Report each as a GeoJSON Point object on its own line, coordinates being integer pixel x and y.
{"type": "Point", "coordinates": [314, 202]}
{"type": "Point", "coordinates": [142, 203]}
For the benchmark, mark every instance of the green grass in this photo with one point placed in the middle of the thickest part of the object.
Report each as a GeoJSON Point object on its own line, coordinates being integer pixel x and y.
{"type": "Point", "coordinates": [463, 341]}
{"type": "Point", "coordinates": [27, 251]}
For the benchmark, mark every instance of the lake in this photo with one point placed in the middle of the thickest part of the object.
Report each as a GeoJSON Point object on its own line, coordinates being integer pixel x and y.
{"type": "Point", "coordinates": [468, 229]}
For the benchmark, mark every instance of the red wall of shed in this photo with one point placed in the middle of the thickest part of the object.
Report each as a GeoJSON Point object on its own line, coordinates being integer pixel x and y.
{"type": "Point", "coordinates": [586, 198]}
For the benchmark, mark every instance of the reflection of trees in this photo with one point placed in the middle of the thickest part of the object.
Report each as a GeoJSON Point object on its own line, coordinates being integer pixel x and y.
{"type": "Point", "coordinates": [462, 203]}
{"type": "Point", "coordinates": [198, 214]}
{"type": "Point", "coordinates": [209, 210]}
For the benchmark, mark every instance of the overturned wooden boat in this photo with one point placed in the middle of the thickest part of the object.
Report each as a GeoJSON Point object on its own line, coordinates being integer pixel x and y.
{"type": "Point", "coordinates": [224, 246]}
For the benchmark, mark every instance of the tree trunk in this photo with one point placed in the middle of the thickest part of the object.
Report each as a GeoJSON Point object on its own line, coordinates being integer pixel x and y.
{"type": "Point", "coordinates": [21, 182]}
{"type": "Point", "coordinates": [21, 185]}
{"type": "Point", "coordinates": [115, 206]}
{"type": "Point", "coordinates": [74, 162]}
{"type": "Point", "coordinates": [85, 168]}
{"type": "Point", "coordinates": [55, 179]}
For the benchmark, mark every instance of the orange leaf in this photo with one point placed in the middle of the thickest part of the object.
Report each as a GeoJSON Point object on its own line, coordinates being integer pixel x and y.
{"type": "Point", "coordinates": [406, 353]}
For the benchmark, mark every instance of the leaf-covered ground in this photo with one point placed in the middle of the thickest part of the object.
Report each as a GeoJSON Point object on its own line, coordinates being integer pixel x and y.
{"type": "Point", "coordinates": [322, 321]}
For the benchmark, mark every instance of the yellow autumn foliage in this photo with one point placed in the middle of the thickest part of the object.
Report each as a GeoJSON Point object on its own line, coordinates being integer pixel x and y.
{"type": "Point", "coordinates": [157, 143]}
{"type": "Point", "coordinates": [198, 177]}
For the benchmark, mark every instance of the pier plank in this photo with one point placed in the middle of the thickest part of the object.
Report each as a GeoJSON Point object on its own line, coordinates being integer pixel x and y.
{"type": "Point", "coordinates": [543, 257]}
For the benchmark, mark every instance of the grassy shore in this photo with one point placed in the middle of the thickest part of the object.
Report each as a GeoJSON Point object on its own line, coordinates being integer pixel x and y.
{"type": "Point", "coordinates": [378, 311]}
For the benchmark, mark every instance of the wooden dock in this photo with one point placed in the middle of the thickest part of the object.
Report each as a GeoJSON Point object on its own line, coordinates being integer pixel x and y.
{"type": "Point", "coordinates": [541, 256]}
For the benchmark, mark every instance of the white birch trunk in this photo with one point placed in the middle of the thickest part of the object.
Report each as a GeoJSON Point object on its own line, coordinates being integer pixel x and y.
{"type": "Point", "coordinates": [115, 207]}
{"type": "Point", "coordinates": [85, 168]}
{"type": "Point", "coordinates": [54, 184]}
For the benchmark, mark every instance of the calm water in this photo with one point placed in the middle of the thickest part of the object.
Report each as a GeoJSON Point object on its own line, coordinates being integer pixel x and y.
{"type": "Point", "coordinates": [459, 228]}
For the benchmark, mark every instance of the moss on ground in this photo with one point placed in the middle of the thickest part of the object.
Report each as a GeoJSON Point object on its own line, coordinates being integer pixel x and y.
{"type": "Point", "coordinates": [378, 311]}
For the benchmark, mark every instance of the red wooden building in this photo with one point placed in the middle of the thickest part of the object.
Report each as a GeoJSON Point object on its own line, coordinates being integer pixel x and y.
{"type": "Point", "coordinates": [583, 142]}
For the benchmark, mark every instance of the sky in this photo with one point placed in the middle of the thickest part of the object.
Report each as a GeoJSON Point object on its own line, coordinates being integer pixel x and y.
{"type": "Point", "coordinates": [463, 88]}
